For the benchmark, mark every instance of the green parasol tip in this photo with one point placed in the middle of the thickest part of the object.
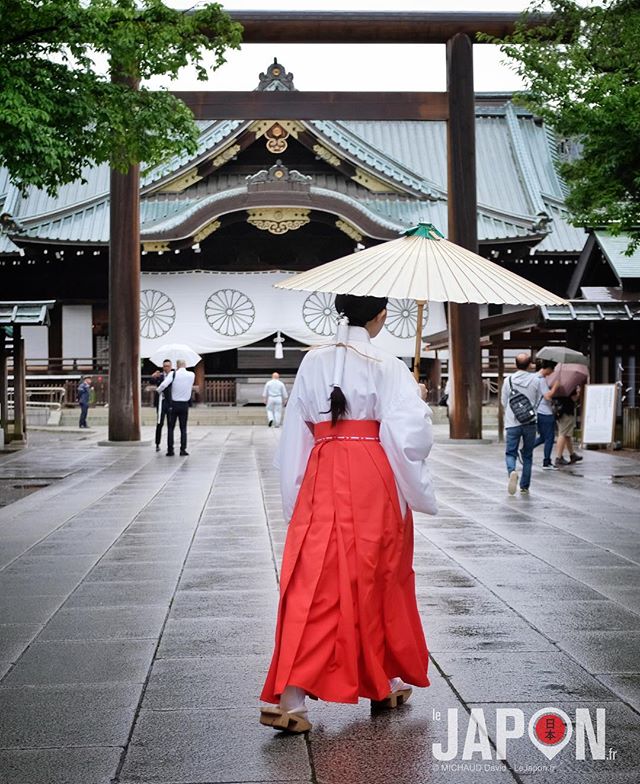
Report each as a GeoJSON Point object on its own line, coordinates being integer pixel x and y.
{"type": "Point", "coordinates": [426, 230]}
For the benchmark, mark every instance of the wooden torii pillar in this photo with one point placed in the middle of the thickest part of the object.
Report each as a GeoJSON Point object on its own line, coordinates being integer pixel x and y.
{"type": "Point", "coordinates": [465, 358]}
{"type": "Point", "coordinates": [458, 31]}
{"type": "Point", "coordinates": [124, 300]}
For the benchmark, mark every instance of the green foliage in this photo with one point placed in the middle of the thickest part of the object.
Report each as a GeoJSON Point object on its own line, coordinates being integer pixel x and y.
{"type": "Point", "coordinates": [582, 72]}
{"type": "Point", "coordinates": [58, 114]}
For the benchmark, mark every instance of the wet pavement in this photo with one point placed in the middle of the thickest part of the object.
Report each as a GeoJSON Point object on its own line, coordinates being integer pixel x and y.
{"type": "Point", "coordinates": [137, 608]}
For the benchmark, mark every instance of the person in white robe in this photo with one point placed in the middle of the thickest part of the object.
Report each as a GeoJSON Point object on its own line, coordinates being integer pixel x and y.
{"type": "Point", "coordinates": [357, 428]}
{"type": "Point", "coordinates": [378, 386]}
{"type": "Point", "coordinates": [275, 397]}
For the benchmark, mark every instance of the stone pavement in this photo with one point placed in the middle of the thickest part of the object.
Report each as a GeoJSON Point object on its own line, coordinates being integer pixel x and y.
{"type": "Point", "coordinates": [138, 597]}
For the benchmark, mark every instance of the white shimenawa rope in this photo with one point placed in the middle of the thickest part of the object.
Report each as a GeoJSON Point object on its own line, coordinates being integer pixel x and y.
{"type": "Point", "coordinates": [342, 335]}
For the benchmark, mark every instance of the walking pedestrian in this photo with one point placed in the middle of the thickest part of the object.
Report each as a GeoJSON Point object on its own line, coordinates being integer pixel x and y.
{"type": "Point", "coordinates": [181, 381]}
{"type": "Point", "coordinates": [84, 397]}
{"type": "Point", "coordinates": [546, 420]}
{"type": "Point", "coordinates": [566, 408]}
{"type": "Point", "coordinates": [353, 464]}
{"type": "Point", "coordinates": [274, 396]}
{"type": "Point", "coordinates": [162, 400]}
{"type": "Point", "coordinates": [520, 398]}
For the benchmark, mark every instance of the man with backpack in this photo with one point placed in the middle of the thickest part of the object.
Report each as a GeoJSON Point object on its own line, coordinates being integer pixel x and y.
{"type": "Point", "coordinates": [521, 394]}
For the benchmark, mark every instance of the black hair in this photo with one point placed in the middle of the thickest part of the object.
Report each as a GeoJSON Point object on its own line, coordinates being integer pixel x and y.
{"type": "Point", "coordinates": [359, 311]}
{"type": "Point", "coordinates": [167, 360]}
{"type": "Point", "coordinates": [547, 363]}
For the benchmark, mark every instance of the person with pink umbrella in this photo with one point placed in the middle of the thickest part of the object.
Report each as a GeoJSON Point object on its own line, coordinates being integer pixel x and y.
{"type": "Point", "coordinates": [566, 406]}
{"type": "Point", "coordinates": [546, 420]}
{"type": "Point", "coordinates": [569, 376]}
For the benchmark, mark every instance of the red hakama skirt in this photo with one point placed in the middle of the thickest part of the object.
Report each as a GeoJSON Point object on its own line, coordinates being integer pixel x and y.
{"type": "Point", "coordinates": [347, 618]}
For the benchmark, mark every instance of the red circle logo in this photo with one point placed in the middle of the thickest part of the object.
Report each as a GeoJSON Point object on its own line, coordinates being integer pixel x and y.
{"type": "Point", "coordinates": [550, 729]}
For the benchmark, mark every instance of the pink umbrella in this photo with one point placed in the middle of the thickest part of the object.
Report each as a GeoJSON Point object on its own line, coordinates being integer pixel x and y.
{"type": "Point", "coordinates": [570, 376]}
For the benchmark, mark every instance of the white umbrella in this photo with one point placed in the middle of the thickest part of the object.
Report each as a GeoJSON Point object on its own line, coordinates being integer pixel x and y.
{"type": "Point", "coordinates": [422, 265]}
{"type": "Point", "coordinates": [174, 352]}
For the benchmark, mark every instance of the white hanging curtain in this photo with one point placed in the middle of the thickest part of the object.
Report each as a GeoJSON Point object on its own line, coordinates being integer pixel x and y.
{"type": "Point", "coordinates": [217, 311]}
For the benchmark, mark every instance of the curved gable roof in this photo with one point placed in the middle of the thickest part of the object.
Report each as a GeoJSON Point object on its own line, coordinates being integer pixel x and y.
{"type": "Point", "coordinates": [517, 180]}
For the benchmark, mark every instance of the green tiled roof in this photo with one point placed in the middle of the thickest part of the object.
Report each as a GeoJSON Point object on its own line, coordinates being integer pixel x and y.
{"type": "Point", "coordinates": [614, 250]}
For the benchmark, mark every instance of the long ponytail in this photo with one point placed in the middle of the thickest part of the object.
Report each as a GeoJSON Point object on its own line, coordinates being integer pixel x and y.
{"type": "Point", "coordinates": [338, 402]}
{"type": "Point", "coordinates": [339, 405]}
{"type": "Point", "coordinates": [356, 311]}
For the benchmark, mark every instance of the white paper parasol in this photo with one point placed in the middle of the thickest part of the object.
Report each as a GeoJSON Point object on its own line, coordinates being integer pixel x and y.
{"type": "Point", "coordinates": [424, 266]}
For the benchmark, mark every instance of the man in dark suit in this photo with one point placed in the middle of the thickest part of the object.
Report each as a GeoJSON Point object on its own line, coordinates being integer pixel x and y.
{"type": "Point", "coordinates": [162, 400]}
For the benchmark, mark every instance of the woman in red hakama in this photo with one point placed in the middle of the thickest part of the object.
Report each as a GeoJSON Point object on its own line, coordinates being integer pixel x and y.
{"type": "Point", "coordinates": [348, 624]}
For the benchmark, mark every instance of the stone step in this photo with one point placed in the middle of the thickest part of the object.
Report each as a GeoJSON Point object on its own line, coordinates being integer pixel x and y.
{"type": "Point", "coordinates": [230, 415]}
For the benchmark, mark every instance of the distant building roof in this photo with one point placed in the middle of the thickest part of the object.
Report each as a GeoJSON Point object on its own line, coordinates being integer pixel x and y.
{"type": "Point", "coordinates": [603, 262]}
{"type": "Point", "coordinates": [25, 313]}
{"type": "Point", "coordinates": [614, 250]}
{"type": "Point", "coordinates": [395, 171]}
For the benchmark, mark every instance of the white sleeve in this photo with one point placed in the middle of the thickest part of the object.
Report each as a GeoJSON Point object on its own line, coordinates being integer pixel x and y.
{"type": "Point", "coordinates": [285, 394]}
{"type": "Point", "coordinates": [505, 392]}
{"type": "Point", "coordinates": [407, 436]}
{"type": "Point", "coordinates": [168, 380]}
{"type": "Point", "coordinates": [264, 391]}
{"type": "Point", "coordinates": [296, 443]}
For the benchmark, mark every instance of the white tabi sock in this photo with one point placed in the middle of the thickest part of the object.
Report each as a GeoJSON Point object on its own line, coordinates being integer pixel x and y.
{"type": "Point", "coordinates": [292, 700]}
{"type": "Point", "coordinates": [397, 684]}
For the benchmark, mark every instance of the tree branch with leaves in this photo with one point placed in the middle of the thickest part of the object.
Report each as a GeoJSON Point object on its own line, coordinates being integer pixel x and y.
{"type": "Point", "coordinates": [582, 75]}
{"type": "Point", "coordinates": [59, 114]}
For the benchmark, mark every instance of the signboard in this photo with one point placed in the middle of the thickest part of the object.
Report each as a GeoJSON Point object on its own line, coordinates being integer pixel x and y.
{"type": "Point", "coordinates": [599, 413]}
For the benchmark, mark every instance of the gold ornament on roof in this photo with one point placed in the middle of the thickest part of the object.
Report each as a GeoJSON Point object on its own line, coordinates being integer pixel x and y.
{"type": "Point", "coordinates": [206, 230]}
{"type": "Point", "coordinates": [155, 246]}
{"type": "Point", "coordinates": [276, 137]}
{"type": "Point", "coordinates": [326, 155]}
{"type": "Point", "coordinates": [349, 230]}
{"type": "Point", "coordinates": [226, 155]}
{"type": "Point", "coordinates": [278, 220]}
{"type": "Point", "coordinates": [182, 182]}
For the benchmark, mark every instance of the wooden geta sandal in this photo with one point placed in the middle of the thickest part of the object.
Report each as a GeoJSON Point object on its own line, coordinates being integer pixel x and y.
{"type": "Point", "coordinates": [286, 721]}
{"type": "Point", "coordinates": [393, 700]}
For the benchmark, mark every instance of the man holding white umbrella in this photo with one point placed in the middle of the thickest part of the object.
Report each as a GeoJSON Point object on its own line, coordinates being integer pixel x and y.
{"type": "Point", "coordinates": [181, 381]}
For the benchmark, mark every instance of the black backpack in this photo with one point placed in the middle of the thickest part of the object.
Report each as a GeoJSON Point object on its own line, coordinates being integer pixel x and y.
{"type": "Point", "coordinates": [523, 409]}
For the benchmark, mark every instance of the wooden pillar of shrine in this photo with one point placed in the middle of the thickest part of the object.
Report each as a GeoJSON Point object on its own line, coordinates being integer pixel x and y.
{"type": "Point", "coordinates": [4, 384]}
{"type": "Point", "coordinates": [124, 301]}
{"type": "Point", "coordinates": [200, 381]}
{"type": "Point", "coordinates": [465, 359]}
{"type": "Point", "coordinates": [19, 388]}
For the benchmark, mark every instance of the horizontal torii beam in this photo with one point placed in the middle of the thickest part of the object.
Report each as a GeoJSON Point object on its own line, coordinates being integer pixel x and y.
{"type": "Point", "coordinates": [341, 27]}
{"type": "Point", "coordinates": [296, 105]}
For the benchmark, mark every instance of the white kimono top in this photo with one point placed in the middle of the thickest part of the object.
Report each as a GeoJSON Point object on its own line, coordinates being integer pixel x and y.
{"type": "Point", "coordinates": [275, 388]}
{"type": "Point", "coordinates": [377, 386]}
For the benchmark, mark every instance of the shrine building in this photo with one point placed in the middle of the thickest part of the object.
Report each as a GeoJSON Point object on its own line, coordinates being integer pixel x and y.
{"type": "Point", "coordinates": [262, 199]}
